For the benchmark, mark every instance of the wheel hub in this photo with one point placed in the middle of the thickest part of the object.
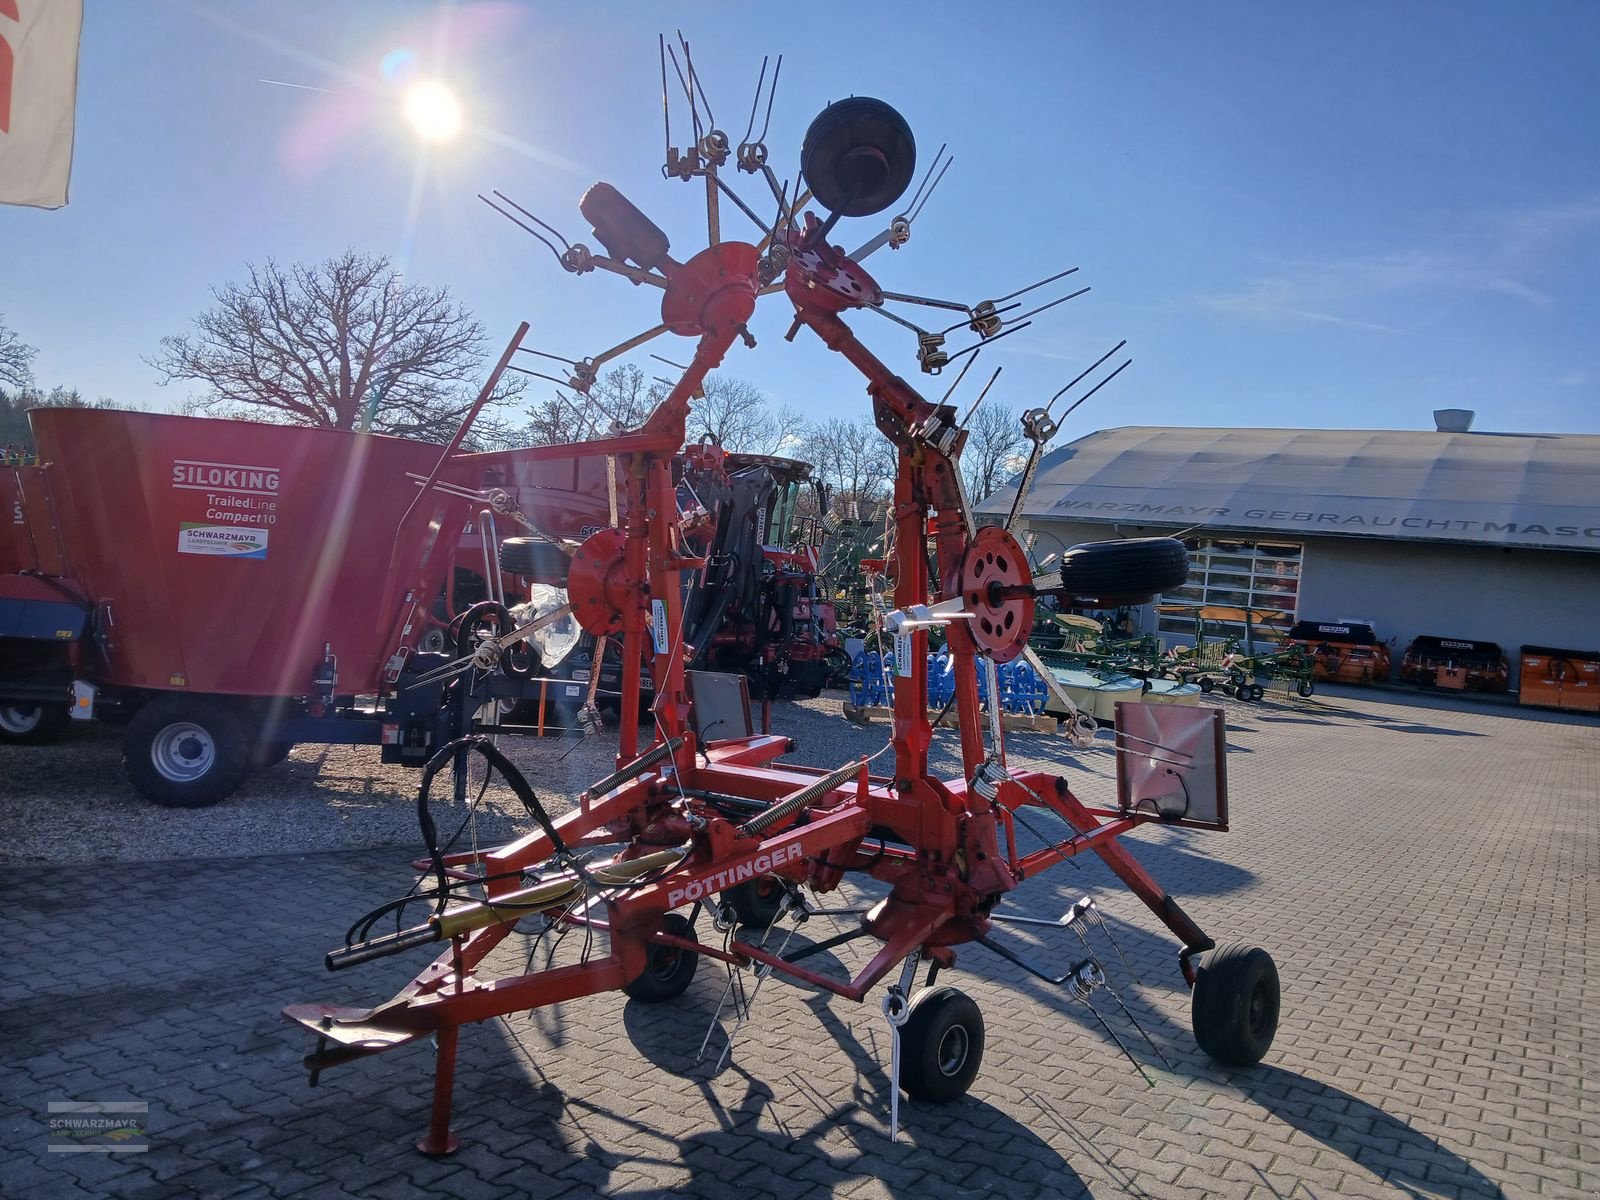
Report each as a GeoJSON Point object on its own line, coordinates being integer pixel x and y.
{"type": "Point", "coordinates": [183, 752]}
{"type": "Point", "coordinates": [20, 718]}
{"type": "Point", "coordinates": [995, 561]}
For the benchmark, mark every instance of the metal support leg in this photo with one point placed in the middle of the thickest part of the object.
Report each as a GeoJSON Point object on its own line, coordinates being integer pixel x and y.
{"type": "Point", "coordinates": [439, 1141]}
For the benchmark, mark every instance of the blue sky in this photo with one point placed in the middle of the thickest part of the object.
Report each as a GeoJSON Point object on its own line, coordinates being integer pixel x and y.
{"type": "Point", "coordinates": [1297, 214]}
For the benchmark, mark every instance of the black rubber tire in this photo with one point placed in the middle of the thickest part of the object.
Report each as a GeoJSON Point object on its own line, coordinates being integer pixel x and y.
{"type": "Point", "coordinates": [154, 734]}
{"type": "Point", "coordinates": [32, 724]}
{"type": "Point", "coordinates": [1126, 572]}
{"type": "Point", "coordinates": [941, 1045]}
{"type": "Point", "coordinates": [520, 661]}
{"type": "Point", "coordinates": [756, 901]}
{"type": "Point", "coordinates": [858, 156]}
{"type": "Point", "coordinates": [669, 969]}
{"type": "Point", "coordinates": [1236, 1004]}
{"type": "Point", "coordinates": [1207, 684]}
{"type": "Point", "coordinates": [270, 754]}
{"type": "Point", "coordinates": [540, 561]}
{"type": "Point", "coordinates": [1305, 689]}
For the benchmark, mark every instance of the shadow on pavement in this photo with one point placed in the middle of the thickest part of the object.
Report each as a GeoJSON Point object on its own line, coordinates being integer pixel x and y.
{"type": "Point", "coordinates": [839, 1140]}
{"type": "Point", "coordinates": [1369, 1137]}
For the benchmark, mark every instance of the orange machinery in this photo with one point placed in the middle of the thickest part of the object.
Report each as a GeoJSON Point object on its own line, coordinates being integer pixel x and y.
{"type": "Point", "coordinates": [1554, 678]}
{"type": "Point", "coordinates": [1343, 651]}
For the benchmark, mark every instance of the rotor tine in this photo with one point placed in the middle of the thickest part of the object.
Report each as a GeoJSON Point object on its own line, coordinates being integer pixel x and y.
{"type": "Point", "coordinates": [926, 175]}
{"type": "Point", "coordinates": [1040, 284]}
{"type": "Point", "coordinates": [771, 96]}
{"type": "Point", "coordinates": [694, 109]}
{"type": "Point", "coordinates": [988, 341]}
{"type": "Point", "coordinates": [571, 362]}
{"type": "Point", "coordinates": [755, 101]}
{"type": "Point", "coordinates": [959, 377]}
{"type": "Point", "coordinates": [556, 233]}
{"type": "Point", "coordinates": [917, 212]}
{"type": "Point", "coordinates": [1134, 1021]}
{"type": "Point", "coordinates": [1071, 407]}
{"type": "Point", "coordinates": [1061, 300]}
{"type": "Point", "coordinates": [694, 78]}
{"type": "Point", "coordinates": [548, 244]}
{"type": "Point", "coordinates": [1121, 1045]}
{"type": "Point", "coordinates": [1083, 374]}
{"type": "Point", "coordinates": [536, 374]}
{"type": "Point", "coordinates": [666, 109]}
{"type": "Point", "coordinates": [981, 394]}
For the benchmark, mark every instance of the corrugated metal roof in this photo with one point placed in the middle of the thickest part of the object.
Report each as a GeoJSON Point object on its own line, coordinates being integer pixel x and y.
{"type": "Point", "coordinates": [1501, 488]}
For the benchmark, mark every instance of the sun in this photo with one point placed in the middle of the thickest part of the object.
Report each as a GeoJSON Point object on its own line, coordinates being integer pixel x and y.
{"type": "Point", "coordinates": [433, 110]}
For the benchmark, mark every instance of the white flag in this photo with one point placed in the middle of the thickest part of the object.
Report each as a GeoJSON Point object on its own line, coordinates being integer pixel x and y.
{"type": "Point", "coordinates": [38, 91]}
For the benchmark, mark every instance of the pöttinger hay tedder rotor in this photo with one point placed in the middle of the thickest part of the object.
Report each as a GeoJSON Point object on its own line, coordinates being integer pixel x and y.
{"type": "Point", "coordinates": [690, 824]}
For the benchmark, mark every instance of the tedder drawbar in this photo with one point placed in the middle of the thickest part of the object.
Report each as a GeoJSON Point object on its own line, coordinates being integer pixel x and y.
{"type": "Point", "coordinates": [690, 827]}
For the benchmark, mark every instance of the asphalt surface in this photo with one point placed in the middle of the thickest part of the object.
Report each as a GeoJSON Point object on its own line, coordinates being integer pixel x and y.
{"type": "Point", "coordinates": [1425, 874]}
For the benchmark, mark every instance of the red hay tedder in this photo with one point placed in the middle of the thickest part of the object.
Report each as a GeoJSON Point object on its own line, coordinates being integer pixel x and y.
{"type": "Point", "coordinates": [700, 818]}
{"type": "Point", "coordinates": [690, 824]}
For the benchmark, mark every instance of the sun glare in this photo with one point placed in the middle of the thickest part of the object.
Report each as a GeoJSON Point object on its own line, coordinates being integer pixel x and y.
{"type": "Point", "coordinates": [434, 111]}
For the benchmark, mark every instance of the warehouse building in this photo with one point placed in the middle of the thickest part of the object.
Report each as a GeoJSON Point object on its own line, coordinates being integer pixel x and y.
{"type": "Point", "coordinates": [1482, 536]}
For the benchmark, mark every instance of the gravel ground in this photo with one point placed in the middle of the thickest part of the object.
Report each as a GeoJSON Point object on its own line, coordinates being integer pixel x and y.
{"type": "Point", "coordinates": [71, 803]}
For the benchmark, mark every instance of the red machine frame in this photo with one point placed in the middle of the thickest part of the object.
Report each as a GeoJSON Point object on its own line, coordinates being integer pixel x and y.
{"type": "Point", "coordinates": [952, 852]}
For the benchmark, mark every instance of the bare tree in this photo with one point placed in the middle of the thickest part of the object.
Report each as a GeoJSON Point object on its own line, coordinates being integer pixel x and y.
{"type": "Point", "coordinates": [737, 415]}
{"type": "Point", "coordinates": [316, 345]}
{"type": "Point", "coordinates": [734, 413]}
{"type": "Point", "coordinates": [621, 398]}
{"type": "Point", "coordinates": [15, 357]}
{"type": "Point", "coordinates": [854, 460]}
{"type": "Point", "coordinates": [995, 450]}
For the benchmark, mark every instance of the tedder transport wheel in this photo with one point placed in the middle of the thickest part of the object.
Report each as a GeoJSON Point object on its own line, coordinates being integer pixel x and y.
{"type": "Point", "coordinates": [185, 752]}
{"type": "Point", "coordinates": [1235, 1006]}
{"type": "Point", "coordinates": [668, 971]}
{"type": "Point", "coordinates": [31, 724]}
{"type": "Point", "coordinates": [941, 1045]}
{"type": "Point", "coordinates": [1305, 689]}
{"type": "Point", "coordinates": [756, 901]}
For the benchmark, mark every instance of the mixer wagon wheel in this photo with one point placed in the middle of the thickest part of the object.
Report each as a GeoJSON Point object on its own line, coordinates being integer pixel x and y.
{"type": "Point", "coordinates": [668, 969]}
{"type": "Point", "coordinates": [941, 1045]}
{"type": "Point", "coordinates": [185, 751]}
{"type": "Point", "coordinates": [1235, 1005]}
{"type": "Point", "coordinates": [31, 724]}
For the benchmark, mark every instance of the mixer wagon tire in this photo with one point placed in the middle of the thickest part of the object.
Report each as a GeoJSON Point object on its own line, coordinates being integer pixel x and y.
{"type": "Point", "coordinates": [539, 560]}
{"type": "Point", "coordinates": [668, 970]}
{"type": "Point", "coordinates": [941, 1045]}
{"type": "Point", "coordinates": [756, 901]}
{"type": "Point", "coordinates": [31, 724]}
{"type": "Point", "coordinates": [185, 752]}
{"type": "Point", "coordinates": [1134, 568]}
{"type": "Point", "coordinates": [270, 754]}
{"type": "Point", "coordinates": [1235, 1004]}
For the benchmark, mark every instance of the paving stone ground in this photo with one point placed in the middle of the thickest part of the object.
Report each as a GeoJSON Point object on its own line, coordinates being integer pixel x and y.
{"type": "Point", "coordinates": [1425, 874]}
